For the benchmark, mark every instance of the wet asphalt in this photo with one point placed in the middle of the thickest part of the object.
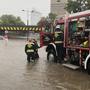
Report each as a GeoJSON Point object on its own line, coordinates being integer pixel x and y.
{"type": "Point", "coordinates": [17, 74]}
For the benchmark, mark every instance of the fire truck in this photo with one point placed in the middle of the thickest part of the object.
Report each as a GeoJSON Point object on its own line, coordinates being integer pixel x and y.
{"type": "Point", "coordinates": [76, 40]}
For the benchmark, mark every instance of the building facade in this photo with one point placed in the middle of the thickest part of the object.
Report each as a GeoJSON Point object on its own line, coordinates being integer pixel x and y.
{"type": "Point", "coordinates": [57, 7]}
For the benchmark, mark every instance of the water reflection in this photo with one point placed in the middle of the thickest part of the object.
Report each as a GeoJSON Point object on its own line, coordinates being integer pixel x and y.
{"type": "Point", "coordinates": [16, 73]}
{"type": "Point", "coordinates": [56, 77]}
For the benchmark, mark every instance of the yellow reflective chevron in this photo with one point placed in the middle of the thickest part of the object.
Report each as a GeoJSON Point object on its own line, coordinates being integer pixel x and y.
{"type": "Point", "coordinates": [20, 28]}
{"type": "Point", "coordinates": [23, 28]}
{"type": "Point", "coordinates": [8, 28]}
{"type": "Point", "coordinates": [17, 28]}
{"type": "Point", "coordinates": [14, 28]}
{"type": "Point", "coordinates": [2, 28]}
{"type": "Point", "coordinates": [36, 29]}
{"type": "Point", "coordinates": [31, 28]}
{"type": "Point", "coordinates": [26, 28]}
{"type": "Point", "coordinates": [5, 28]}
{"type": "Point", "coordinates": [11, 28]}
{"type": "Point", "coordinates": [39, 29]}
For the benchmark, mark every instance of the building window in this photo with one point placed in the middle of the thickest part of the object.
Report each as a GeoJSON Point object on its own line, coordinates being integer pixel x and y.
{"type": "Point", "coordinates": [58, 0]}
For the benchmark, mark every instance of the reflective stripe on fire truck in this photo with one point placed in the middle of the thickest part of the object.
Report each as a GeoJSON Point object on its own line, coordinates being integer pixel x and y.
{"type": "Point", "coordinates": [86, 60]}
{"type": "Point", "coordinates": [54, 47]}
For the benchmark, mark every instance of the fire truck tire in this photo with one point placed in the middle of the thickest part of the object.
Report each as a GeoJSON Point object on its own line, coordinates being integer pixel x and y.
{"type": "Point", "coordinates": [51, 56]}
{"type": "Point", "coordinates": [88, 68]}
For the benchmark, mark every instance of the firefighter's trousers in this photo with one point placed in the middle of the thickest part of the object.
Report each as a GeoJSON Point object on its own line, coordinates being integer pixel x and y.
{"type": "Point", "coordinates": [60, 52]}
{"type": "Point", "coordinates": [30, 55]}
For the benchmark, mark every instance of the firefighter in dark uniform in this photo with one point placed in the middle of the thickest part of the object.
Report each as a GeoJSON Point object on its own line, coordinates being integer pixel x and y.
{"type": "Point", "coordinates": [29, 50]}
{"type": "Point", "coordinates": [59, 44]}
{"type": "Point", "coordinates": [36, 48]}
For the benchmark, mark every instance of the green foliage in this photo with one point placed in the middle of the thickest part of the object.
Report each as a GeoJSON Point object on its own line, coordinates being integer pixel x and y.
{"type": "Point", "coordinates": [52, 16]}
{"type": "Point", "coordinates": [42, 22]}
{"type": "Point", "coordinates": [10, 20]}
{"type": "Point", "coordinates": [47, 21]}
{"type": "Point", "coordinates": [77, 5]}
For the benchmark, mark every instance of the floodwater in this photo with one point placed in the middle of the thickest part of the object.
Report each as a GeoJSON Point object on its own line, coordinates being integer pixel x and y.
{"type": "Point", "coordinates": [17, 74]}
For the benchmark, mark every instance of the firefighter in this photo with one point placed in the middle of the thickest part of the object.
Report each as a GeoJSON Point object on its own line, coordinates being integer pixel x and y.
{"type": "Point", "coordinates": [59, 45]}
{"type": "Point", "coordinates": [29, 50]}
{"type": "Point", "coordinates": [36, 49]}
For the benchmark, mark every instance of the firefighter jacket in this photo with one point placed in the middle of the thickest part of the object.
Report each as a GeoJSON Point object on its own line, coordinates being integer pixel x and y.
{"type": "Point", "coordinates": [59, 37]}
{"type": "Point", "coordinates": [29, 48]}
{"type": "Point", "coordinates": [36, 46]}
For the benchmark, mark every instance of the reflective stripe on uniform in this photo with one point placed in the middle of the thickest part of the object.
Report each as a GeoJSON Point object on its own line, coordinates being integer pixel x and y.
{"type": "Point", "coordinates": [30, 50]}
{"type": "Point", "coordinates": [58, 32]}
{"type": "Point", "coordinates": [58, 41]}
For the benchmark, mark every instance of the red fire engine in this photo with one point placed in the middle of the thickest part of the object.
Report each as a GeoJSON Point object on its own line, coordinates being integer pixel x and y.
{"type": "Point", "coordinates": [76, 30]}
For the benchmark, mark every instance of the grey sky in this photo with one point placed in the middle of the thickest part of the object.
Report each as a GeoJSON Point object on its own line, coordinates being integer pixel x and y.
{"type": "Point", "coordinates": [15, 7]}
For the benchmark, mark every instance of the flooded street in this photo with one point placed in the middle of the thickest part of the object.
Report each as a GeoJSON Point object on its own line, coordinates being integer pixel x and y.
{"type": "Point", "coordinates": [17, 74]}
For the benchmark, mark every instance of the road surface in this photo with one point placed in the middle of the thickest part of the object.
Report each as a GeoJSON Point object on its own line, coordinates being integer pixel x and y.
{"type": "Point", "coordinates": [17, 74]}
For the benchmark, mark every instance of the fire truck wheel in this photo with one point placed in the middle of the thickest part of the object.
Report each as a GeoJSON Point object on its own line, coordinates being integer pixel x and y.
{"type": "Point", "coordinates": [51, 56]}
{"type": "Point", "coordinates": [88, 68]}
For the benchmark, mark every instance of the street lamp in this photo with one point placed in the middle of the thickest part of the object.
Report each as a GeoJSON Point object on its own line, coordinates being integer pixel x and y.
{"type": "Point", "coordinates": [27, 12]}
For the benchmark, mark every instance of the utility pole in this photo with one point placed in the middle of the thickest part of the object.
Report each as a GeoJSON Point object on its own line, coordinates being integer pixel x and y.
{"type": "Point", "coordinates": [27, 12]}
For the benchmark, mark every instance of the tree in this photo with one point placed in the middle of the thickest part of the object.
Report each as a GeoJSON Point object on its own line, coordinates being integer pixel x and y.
{"type": "Point", "coordinates": [19, 21]}
{"type": "Point", "coordinates": [10, 20]}
{"type": "Point", "coordinates": [42, 22]}
{"type": "Point", "coordinates": [52, 17]}
{"type": "Point", "coordinates": [74, 6]}
{"type": "Point", "coordinates": [47, 21]}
